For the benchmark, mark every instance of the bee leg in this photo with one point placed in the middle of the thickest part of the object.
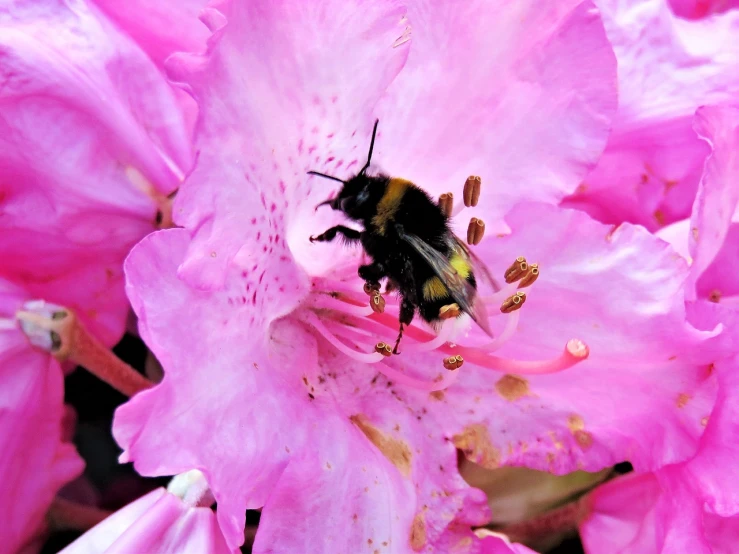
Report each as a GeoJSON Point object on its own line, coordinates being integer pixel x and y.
{"type": "Point", "coordinates": [350, 235]}
{"type": "Point", "coordinates": [371, 274]}
{"type": "Point", "coordinates": [406, 316]}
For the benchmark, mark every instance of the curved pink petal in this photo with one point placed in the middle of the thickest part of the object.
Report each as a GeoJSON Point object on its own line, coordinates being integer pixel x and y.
{"type": "Point", "coordinates": [280, 429]}
{"type": "Point", "coordinates": [697, 9]}
{"type": "Point", "coordinates": [716, 202]}
{"type": "Point", "coordinates": [654, 513]}
{"type": "Point", "coordinates": [287, 87]}
{"type": "Point", "coordinates": [646, 386]}
{"type": "Point", "coordinates": [160, 28]}
{"type": "Point", "coordinates": [714, 467]}
{"type": "Point", "coordinates": [34, 462]}
{"type": "Point", "coordinates": [157, 522]}
{"type": "Point", "coordinates": [519, 93]}
{"type": "Point", "coordinates": [70, 208]}
{"type": "Point", "coordinates": [668, 67]}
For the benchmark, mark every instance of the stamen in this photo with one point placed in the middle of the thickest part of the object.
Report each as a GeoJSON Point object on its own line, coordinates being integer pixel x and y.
{"type": "Point", "coordinates": [377, 303]}
{"type": "Point", "coordinates": [342, 303]}
{"type": "Point", "coordinates": [517, 270]}
{"type": "Point", "coordinates": [453, 362]}
{"type": "Point", "coordinates": [442, 381]}
{"type": "Point", "coordinates": [371, 288]}
{"type": "Point", "coordinates": [445, 333]}
{"type": "Point", "coordinates": [449, 311]}
{"type": "Point", "coordinates": [58, 331]}
{"type": "Point", "coordinates": [312, 320]}
{"type": "Point", "coordinates": [508, 331]}
{"type": "Point", "coordinates": [446, 203]}
{"type": "Point", "coordinates": [513, 303]}
{"type": "Point", "coordinates": [384, 348]}
{"type": "Point", "coordinates": [472, 190]}
{"type": "Point", "coordinates": [475, 231]}
{"type": "Point", "coordinates": [530, 276]}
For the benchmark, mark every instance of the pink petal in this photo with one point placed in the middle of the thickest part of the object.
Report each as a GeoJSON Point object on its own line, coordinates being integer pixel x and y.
{"type": "Point", "coordinates": [71, 209]}
{"type": "Point", "coordinates": [335, 59]}
{"type": "Point", "coordinates": [668, 67]}
{"type": "Point", "coordinates": [655, 513]}
{"type": "Point", "coordinates": [519, 93]}
{"type": "Point", "coordinates": [157, 522]}
{"type": "Point", "coordinates": [696, 9]}
{"type": "Point", "coordinates": [715, 204]}
{"type": "Point", "coordinates": [281, 439]}
{"type": "Point", "coordinates": [646, 386]}
{"type": "Point", "coordinates": [160, 28]}
{"type": "Point", "coordinates": [35, 463]}
{"type": "Point", "coordinates": [714, 469]}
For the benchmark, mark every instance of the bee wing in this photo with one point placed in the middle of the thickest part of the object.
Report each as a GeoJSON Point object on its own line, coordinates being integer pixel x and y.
{"type": "Point", "coordinates": [481, 271]}
{"type": "Point", "coordinates": [461, 291]}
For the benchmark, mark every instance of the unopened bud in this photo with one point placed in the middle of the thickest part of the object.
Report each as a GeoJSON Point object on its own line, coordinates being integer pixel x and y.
{"type": "Point", "coordinates": [377, 303]}
{"type": "Point", "coordinates": [475, 231]}
{"type": "Point", "coordinates": [472, 190]}
{"type": "Point", "coordinates": [516, 270]}
{"type": "Point", "coordinates": [453, 362]}
{"type": "Point", "coordinates": [530, 276]}
{"type": "Point", "coordinates": [446, 203]}
{"type": "Point", "coordinates": [513, 303]}
{"type": "Point", "coordinates": [384, 349]}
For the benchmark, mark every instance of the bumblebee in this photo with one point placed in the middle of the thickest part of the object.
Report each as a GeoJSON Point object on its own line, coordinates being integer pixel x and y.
{"type": "Point", "coordinates": [407, 236]}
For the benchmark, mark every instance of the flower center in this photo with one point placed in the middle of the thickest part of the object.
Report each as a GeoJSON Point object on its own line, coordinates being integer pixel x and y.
{"type": "Point", "coordinates": [340, 311]}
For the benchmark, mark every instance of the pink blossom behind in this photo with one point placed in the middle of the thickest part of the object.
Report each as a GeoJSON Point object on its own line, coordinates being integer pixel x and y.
{"type": "Point", "coordinates": [34, 461]}
{"type": "Point", "coordinates": [157, 522]}
{"type": "Point", "coordinates": [91, 142]}
{"type": "Point", "coordinates": [668, 67]}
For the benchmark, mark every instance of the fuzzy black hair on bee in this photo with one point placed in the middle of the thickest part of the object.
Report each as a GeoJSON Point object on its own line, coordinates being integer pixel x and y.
{"type": "Point", "coordinates": [407, 236]}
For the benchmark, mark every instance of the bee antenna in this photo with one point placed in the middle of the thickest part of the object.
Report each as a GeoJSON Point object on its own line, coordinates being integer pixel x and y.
{"type": "Point", "coordinates": [325, 176]}
{"type": "Point", "coordinates": [372, 146]}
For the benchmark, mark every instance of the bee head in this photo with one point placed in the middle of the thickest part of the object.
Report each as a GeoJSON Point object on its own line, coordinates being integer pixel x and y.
{"type": "Point", "coordinates": [355, 194]}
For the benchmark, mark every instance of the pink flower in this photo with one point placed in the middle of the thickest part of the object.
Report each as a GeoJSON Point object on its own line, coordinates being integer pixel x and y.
{"type": "Point", "coordinates": [67, 205]}
{"type": "Point", "coordinates": [692, 506]}
{"type": "Point", "coordinates": [160, 28]}
{"type": "Point", "coordinates": [696, 9]}
{"type": "Point", "coordinates": [173, 520]}
{"type": "Point", "coordinates": [34, 461]}
{"type": "Point", "coordinates": [668, 67]}
{"type": "Point", "coordinates": [271, 385]}
{"type": "Point", "coordinates": [653, 513]}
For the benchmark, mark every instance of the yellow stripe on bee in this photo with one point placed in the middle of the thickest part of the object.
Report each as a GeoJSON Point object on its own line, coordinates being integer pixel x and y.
{"type": "Point", "coordinates": [461, 265]}
{"type": "Point", "coordinates": [388, 204]}
{"type": "Point", "coordinates": [434, 289]}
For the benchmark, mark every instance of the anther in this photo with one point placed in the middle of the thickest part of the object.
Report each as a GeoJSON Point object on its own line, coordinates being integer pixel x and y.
{"type": "Point", "coordinates": [472, 190]}
{"type": "Point", "coordinates": [516, 270]}
{"type": "Point", "coordinates": [475, 231]}
{"type": "Point", "coordinates": [513, 303]}
{"type": "Point", "coordinates": [384, 349]}
{"type": "Point", "coordinates": [371, 288]}
{"type": "Point", "coordinates": [377, 303]}
{"type": "Point", "coordinates": [446, 203]}
{"type": "Point", "coordinates": [453, 362]}
{"type": "Point", "coordinates": [530, 276]}
{"type": "Point", "coordinates": [449, 311]}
